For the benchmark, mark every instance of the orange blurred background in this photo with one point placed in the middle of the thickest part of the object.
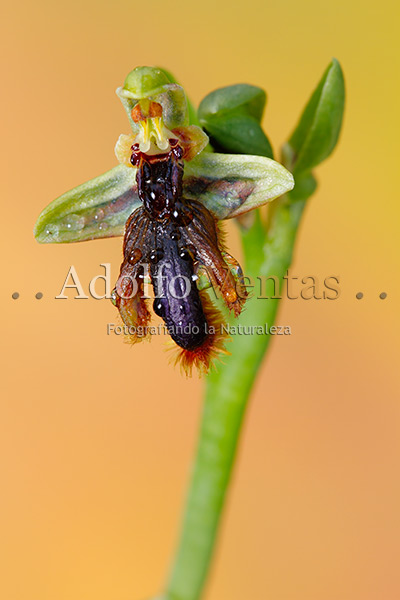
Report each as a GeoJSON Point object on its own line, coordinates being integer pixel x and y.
{"type": "Point", "coordinates": [97, 437]}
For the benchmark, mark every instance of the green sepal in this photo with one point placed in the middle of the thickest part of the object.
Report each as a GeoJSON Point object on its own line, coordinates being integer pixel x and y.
{"type": "Point", "coordinates": [230, 185]}
{"type": "Point", "coordinates": [153, 84]}
{"type": "Point", "coordinates": [96, 209]}
{"type": "Point", "coordinates": [318, 130]}
{"type": "Point", "coordinates": [231, 117]}
{"type": "Point", "coordinates": [142, 82]}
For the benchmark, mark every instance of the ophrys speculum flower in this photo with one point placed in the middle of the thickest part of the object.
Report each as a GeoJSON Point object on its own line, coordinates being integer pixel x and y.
{"type": "Point", "coordinates": [167, 196]}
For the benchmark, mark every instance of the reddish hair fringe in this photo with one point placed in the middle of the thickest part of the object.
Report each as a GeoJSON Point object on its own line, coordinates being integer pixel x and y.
{"type": "Point", "coordinates": [202, 358]}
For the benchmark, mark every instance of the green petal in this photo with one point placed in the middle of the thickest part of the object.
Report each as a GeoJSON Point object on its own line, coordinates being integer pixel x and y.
{"type": "Point", "coordinates": [193, 120]}
{"type": "Point", "coordinates": [230, 185]}
{"type": "Point", "coordinates": [96, 209]}
{"type": "Point", "coordinates": [318, 130]}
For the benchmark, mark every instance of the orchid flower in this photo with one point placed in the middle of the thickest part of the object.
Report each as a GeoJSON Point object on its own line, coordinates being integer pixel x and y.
{"type": "Point", "coordinates": [168, 187]}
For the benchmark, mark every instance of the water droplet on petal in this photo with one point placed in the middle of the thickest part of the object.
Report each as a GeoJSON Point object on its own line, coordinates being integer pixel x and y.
{"type": "Point", "coordinates": [53, 230]}
{"type": "Point", "coordinates": [99, 214]}
{"type": "Point", "coordinates": [74, 222]}
{"type": "Point", "coordinates": [135, 256]}
{"type": "Point", "coordinates": [156, 255]}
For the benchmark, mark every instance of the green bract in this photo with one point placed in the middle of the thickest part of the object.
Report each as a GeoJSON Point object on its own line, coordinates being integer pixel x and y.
{"type": "Point", "coordinates": [231, 116]}
{"type": "Point", "coordinates": [318, 129]}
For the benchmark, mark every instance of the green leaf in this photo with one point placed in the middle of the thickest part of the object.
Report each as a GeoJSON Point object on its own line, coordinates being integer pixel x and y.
{"type": "Point", "coordinates": [239, 99]}
{"type": "Point", "coordinates": [230, 185]}
{"type": "Point", "coordinates": [96, 209]}
{"type": "Point", "coordinates": [231, 116]}
{"type": "Point", "coordinates": [236, 134]}
{"type": "Point", "coordinates": [318, 130]}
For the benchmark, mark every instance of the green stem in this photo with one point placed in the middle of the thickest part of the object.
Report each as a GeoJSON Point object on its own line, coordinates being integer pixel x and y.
{"type": "Point", "coordinates": [227, 393]}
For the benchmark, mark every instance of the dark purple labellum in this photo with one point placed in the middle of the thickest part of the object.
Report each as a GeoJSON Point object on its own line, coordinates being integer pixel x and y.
{"type": "Point", "coordinates": [177, 300]}
{"type": "Point", "coordinates": [173, 236]}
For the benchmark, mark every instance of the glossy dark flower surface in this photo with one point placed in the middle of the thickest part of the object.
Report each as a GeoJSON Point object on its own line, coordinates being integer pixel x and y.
{"type": "Point", "coordinates": [166, 197]}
